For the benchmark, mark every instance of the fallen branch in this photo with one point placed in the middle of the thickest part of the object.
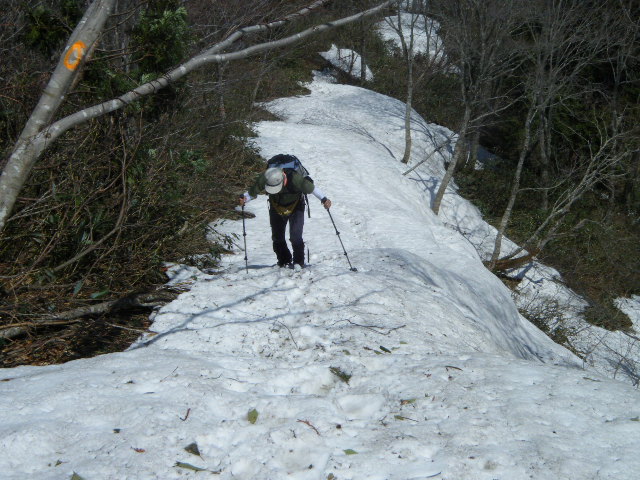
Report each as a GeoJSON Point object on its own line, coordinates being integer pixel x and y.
{"type": "Point", "coordinates": [511, 263]}
{"type": "Point", "coordinates": [142, 300]}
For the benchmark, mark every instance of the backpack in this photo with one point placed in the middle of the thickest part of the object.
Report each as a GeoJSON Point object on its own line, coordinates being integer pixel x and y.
{"type": "Point", "coordinates": [288, 162]}
{"type": "Point", "coordinates": [291, 163]}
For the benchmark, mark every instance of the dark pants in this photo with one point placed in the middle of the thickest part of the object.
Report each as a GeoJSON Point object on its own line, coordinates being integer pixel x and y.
{"type": "Point", "coordinates": [278, 229]}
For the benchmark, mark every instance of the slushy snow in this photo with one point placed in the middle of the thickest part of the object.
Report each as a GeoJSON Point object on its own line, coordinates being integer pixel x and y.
{"type": "Point", "coordinates": [416, 366]}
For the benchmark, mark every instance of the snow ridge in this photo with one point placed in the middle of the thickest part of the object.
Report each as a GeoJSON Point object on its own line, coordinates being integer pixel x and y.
{"type": "Point", "coordinates": [417, 366]}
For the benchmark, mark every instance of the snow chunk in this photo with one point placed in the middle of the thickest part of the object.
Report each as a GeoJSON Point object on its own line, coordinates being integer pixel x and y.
{"type": "Point", "coordinates": [347, 61]}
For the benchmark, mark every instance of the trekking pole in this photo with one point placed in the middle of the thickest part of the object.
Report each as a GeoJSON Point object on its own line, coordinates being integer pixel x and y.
{"type": "Point", "coordinates": [244, 234]}
{"type": "Point", "coordinates": [352, 268]}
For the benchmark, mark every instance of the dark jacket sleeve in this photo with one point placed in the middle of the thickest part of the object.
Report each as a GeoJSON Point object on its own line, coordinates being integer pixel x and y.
{"type": "Point", "coordinates": [258, 185]}
{"type": "Point", "coordinates": [302, 184]}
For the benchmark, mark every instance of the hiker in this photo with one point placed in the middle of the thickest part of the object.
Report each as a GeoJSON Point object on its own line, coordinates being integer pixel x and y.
{"type": "Point", "coordinates": [287, 189]}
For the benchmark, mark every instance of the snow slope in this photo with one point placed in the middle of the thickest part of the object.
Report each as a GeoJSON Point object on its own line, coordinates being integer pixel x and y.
{"type": "Point", "coordinates": [541, 292]}
{"type": "Point", "coordinates": [416, 366]}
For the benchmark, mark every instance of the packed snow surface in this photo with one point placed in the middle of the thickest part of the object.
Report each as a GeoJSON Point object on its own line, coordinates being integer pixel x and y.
{"type": "Point", "coordinates": [416, 366]}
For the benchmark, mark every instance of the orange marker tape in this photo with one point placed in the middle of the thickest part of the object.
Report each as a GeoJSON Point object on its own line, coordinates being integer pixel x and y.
{"type": "Point", "coordinates": [74, 55]}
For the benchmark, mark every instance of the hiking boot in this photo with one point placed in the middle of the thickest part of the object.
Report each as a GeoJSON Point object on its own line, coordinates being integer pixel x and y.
{"type": "Point", "coordinates": [298, 266]}
{"type": "Point", "coordinates": [285, 264]}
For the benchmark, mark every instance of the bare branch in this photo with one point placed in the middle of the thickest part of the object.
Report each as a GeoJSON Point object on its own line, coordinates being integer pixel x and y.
{"type": "Point", "coordinates": [32, 146]}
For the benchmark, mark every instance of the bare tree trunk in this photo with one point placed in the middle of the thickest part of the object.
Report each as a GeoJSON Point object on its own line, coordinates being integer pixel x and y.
{"type": "Point", "coordinates": [83, 38]}
{"type": "Point", "coordinates": [407, 51]}
{"type": "Point", "coordinates": [22, 160]}
{"type": "Point", "coordinates": [472, 154]}
{"type": "Point", "coordinates": [544, 148]}
{"type": "Point", "coordinates": [457, 153]}
{"type": "Point", "coordinates": [260, 77]}
{"type": "Point", "coordinates": [506, 216]}
{"type": "Point", "coordinates": [435, 60]}
{"type": "Point", "coordinates": [479, 33]}
{"type": "Point", "coordinates": [407, 115]}
{"type": "Point", "coordinates": [363, 53]}
{"type": "Point", "coordinates": [221, 105]}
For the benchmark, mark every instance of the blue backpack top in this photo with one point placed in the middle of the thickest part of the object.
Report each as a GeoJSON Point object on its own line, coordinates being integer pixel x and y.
{"type": "Point", "coordinates": [288, 162]}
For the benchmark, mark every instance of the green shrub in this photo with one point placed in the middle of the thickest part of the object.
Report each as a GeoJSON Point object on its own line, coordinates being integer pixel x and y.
{"type": "Point", "coordinates": [605, 315]}
{"type": "Point", "coordinates": [161, 38]}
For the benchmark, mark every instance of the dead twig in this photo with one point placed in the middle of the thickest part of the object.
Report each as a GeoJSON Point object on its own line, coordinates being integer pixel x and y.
{"type": "Point", "coordinates": [174, 371]}
{"type": "Point", "coordinates": [376, 328]}
{"type": "Point", "coordinates": [308, 423]}
{"type": "Point", "coordinates": [290, 334]}
{"type": "Point", "coordinates": [186, 415]}
{"type": "Point", "coordinates": [126, 328]}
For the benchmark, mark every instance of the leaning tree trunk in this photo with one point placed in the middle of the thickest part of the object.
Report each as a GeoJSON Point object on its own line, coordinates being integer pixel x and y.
{"type": "Point", "coordinates": [506, 216]}
{"type": "Point", "coordinates": [457, 153]}
{"type": "Point", "coordinates": [407, 112]}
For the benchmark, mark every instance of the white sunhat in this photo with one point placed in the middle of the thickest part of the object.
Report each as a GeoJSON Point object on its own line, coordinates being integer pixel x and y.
{"type": "Point", "coordinates": [275, 179]}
